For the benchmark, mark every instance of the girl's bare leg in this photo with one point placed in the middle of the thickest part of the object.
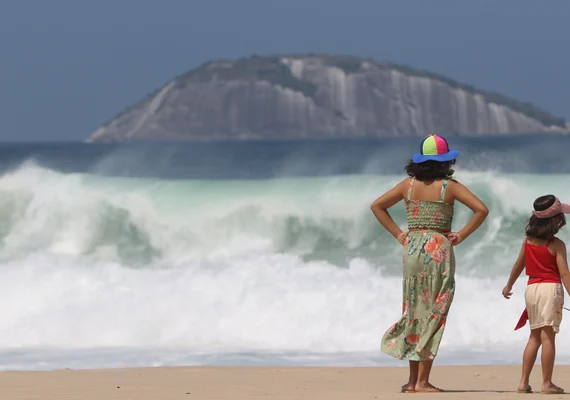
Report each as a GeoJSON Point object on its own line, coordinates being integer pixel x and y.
{"type": "Point", "coordinates": [529, 358]}
{"type": "Point", "coordinates": [548, 337]}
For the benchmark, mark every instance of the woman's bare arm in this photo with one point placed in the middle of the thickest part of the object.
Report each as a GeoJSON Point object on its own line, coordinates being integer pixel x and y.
{"type": "Point", "coordinates": [480, 211]}
{"type": "Point", "coordinates": [380, 207]}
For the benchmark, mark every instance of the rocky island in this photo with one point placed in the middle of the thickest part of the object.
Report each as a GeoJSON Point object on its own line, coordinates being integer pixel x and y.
{"type": "Point", "coordinates": [319, 96]}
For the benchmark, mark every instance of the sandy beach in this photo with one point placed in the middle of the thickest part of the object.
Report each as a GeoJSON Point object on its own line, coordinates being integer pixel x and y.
{"type": "Point", "coordinates": [240, 383]}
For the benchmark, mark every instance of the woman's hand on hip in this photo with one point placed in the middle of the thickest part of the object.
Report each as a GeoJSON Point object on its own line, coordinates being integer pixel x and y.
{"type": "Point", "coordinates": [454, 238]}
{"type": "Point", "coordinates": [402, 238]}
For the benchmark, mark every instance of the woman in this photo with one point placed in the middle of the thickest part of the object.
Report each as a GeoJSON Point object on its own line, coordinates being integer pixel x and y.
{"type": "Point", "coordinates": [429, 261]}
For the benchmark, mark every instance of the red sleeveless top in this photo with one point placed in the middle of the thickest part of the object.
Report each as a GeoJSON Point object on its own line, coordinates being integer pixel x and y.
{"type": "Point", "coordinates": [540, 264]}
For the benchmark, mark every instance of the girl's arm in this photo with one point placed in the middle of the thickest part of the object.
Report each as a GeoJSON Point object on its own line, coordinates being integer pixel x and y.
{"type": "Point", "coordinates": [518, 268]}
{"type": "Point", "coordinates": [380, 207]}
{"type": "Point", "coordinates": [562, 262]}
{"type": "Point", "coordinates": [480, 212]}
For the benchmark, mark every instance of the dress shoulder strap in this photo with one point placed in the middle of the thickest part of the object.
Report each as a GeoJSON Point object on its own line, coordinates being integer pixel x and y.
{"type": "Point", "coordinates": [410, 186]}
{"type": "Point", "coordinates": [443, 190]}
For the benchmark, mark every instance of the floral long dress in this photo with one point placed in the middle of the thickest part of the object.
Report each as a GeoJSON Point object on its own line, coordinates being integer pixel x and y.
{"type": "Point", "coordinates": [428, 284]}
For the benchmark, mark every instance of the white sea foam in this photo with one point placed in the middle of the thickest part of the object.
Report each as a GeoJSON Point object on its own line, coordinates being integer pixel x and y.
{"type": "Point", "coordinates": [110, 272]}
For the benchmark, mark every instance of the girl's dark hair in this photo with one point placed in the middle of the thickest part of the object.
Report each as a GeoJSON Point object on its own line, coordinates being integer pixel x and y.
{"type": "Point", "coordinates": [430, 170]}
{"type": "Point", "coordinates": [544, 228]}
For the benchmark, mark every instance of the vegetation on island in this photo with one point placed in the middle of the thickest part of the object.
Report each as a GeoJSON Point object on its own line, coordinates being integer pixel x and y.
{"type": "Point", "coordinates": [269, 69]}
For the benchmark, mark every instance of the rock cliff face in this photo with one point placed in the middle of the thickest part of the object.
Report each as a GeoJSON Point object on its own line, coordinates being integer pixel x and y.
{"type": "Point", "coordinates": [295, 97]}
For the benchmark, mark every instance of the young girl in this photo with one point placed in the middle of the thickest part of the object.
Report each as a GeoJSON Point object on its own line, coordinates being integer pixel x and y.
{"type": "Point", "coordinates": [429, 193]}
{"type": "Point", "coordinates": [544, 257]}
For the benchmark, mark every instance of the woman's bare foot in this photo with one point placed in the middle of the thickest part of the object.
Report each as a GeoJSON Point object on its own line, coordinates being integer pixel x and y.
{"type": "Point", "coordinates": [552, 389]}
{"type": "Point", "coordinates": [408, 388]}
{"type": "Point", "coordinates": [427, 388]}
{"type": "Point", "coordinates": [524, 389]}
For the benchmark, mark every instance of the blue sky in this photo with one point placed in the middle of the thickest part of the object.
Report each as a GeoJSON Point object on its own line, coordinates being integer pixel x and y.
{"type": "Point", "coordinates": [67, 66]}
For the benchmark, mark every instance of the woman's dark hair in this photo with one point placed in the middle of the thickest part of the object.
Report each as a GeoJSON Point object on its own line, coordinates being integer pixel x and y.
{"type": "Point", "coordinates": [544, 228]}
{"type": "Point", "coordinates": [430, 170]}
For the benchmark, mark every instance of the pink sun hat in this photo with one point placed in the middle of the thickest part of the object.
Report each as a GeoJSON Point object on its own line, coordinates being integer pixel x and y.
{"type": "Point", "coordinates": [435, 148]}
{"type": "Point", "coordinates": [557, 208]}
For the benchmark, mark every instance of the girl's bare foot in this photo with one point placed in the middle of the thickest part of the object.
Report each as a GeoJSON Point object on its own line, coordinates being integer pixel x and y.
{"type": "Point", "coordinates": [427, 388]}
{"type": "Point", "coordinates": [552, 389]}
{"type": "Point", "coordinates": [408, 388]}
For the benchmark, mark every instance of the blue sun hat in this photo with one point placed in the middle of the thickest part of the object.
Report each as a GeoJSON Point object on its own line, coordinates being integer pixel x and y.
{"type": "Point", "coordinates": [435, 148]}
